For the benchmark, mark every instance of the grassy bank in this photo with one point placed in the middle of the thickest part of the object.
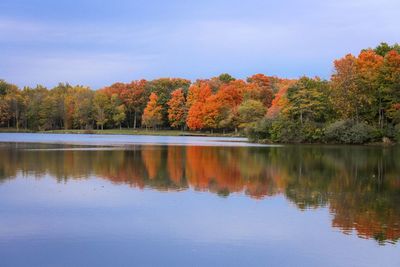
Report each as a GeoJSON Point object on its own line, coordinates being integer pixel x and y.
{"type": "Point", "coordinates": [13, 130]}
{"type": "Point", "coordinates": [126, 132]}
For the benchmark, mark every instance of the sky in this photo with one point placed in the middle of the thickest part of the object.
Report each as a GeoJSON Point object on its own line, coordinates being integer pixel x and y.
{"type": "Point", "coordinates": [97, 43]}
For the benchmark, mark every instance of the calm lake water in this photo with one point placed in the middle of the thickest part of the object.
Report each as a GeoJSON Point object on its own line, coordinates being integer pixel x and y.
{"type": "Point", "coordinates": [162, 201]}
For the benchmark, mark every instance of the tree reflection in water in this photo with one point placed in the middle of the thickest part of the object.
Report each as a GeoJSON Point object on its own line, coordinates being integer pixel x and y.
{"type": "Point", "coordinates": [359, 185]}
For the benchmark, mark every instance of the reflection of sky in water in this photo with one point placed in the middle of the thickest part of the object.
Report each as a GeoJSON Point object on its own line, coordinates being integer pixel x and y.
{"type": "Point", "coordinates": [96, 222]}
{"type": "Point", "coordinates": [119, 140]}
{"type": "Point", "coordinates": [198, 205]}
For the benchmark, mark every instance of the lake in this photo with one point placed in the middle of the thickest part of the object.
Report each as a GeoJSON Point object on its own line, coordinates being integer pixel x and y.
{"type": "Point", "coordinates": [97, 200]}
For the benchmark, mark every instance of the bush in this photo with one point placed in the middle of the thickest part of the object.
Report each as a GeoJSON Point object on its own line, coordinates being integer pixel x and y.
{"type": "Point", "coordinates": [282, 130]}
{"type": "Point", "coordinates": [348, 132]}
{"type": "Point", "coordinates": [312, 132]}
{"type": "Point", "coordinates": [334, 132]}
{"type": "Point", "coordinates": [288, 131]}
{"type": "Point", "coordinates": [260, 131]}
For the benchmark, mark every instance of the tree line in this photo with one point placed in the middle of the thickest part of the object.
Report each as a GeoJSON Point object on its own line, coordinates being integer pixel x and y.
{"type": "Point", "coordinates": [359, 103]}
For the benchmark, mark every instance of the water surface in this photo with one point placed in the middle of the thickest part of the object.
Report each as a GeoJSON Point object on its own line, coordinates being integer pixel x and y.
{"type": "Point", "coordinates": [161, 205]}
{"type": "Point", "coordinates": [122, 140]}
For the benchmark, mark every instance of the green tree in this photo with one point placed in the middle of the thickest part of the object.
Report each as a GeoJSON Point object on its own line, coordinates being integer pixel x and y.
{"type": "Point", "coordinates": [250, 111]}
{"type": "Point", "coordinates": [163, 88]}
{"type": "Point", "coordinates": [118, 110]}
{"type": "Point", "coordinates": [226, 78]}
{"type": "Point", "coordinates": [83, 107]}
{"type": "Point", "coordinates": [101, 104]}
{"type": "Point", "coordinates": [389, 82]}
{"type": "Point", "coordinates": [383, 48]}
{"type": "Point", "coordinates": [308, 100]}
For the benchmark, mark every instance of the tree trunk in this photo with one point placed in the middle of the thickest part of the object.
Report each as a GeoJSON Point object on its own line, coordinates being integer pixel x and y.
{"type": "Point", "coordinates": [356, 115]}
{"type": "Point", "coordinates": [380, 119]}
{"type": "Point", "coordinates": [301, 117]}
{"type": "Point", "coordinates": [134, 121]}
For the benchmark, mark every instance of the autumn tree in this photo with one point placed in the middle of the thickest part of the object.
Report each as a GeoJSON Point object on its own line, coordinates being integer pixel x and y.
{"type": "Point", "coordinates": [47, 117]}
{"type": "Point", "coordinates": [308, 100]}
{"type": "Point", "coordinates": [5, 108]}
{"type": "Point", "coordinates": [368, 68]}
{"type": "Point", "coordinates": [117, 110]}
{"type": "Point", "coordinates": [260, 89]}
{"type": "Point", "coordinates": [177, 109]}
{"type": "Point", "coordinates": [280, 100]}
{"type": "Point", "coordinates": [211, 111]}
{"type": "Point", "coordinates": [5, 112]}
{"type": "Point", "coordinates": [101, 108]}
{"type": "Point", "coordinates": [197, 96]}
{"type": "Point", "coordinates": [15, 101]}
{"type": "Point", "coordinates": [60, 93]}
{"type": "Point", "coordinates": [152, 115]}
{"type": "Point", "coordinates": [348, 98]}
{"type": "Point", "coordinates": [134, 95]}
{"type": "Point", "coordinates": [82, 113]}
{"type": "Point", "coordinates": [389, 81]}
{"type": "Point", "coordinates": [163, 88]}
{"type": "Point", "coordinates": [227, 101]}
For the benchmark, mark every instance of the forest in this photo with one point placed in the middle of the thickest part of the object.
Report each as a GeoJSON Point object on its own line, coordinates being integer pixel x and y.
{"type": "Point", "coordinates": [360, 103]}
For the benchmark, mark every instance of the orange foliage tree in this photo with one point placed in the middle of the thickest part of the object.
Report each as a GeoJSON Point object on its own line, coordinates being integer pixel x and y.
{"type": "Point", "coordinates": [197, 96]}
{"type": "Point", "coordinates": [134, 96]}
{"type": "Point", "coordinates": [177, 109]}
{"type": "Point", "coordinates": [280, 99]}
{"type": "Point", "coordinates": [152, 116]}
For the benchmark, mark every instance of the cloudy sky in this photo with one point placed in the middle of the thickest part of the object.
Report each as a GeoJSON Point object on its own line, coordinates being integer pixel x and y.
{"type": "Point", "coordinates": [99, 42]}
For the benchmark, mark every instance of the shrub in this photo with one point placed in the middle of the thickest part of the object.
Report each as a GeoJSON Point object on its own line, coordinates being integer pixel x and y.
{"type": "Point", "coordinates": [284, 131]}
{"type": "Point", "coordinates": [260, 131]}
{"type": "Point", "coordinates": [362, 133]}
{"type": "Point", "coordinates": [347, 132]}
{"type": "Point", "coordinates": [312, 132]}
{"type": "Point", "coordinates": [334, 132]}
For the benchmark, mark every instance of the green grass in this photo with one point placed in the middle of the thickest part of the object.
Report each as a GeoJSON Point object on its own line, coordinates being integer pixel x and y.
{"type": "Point", "coordinates": [14, 130]}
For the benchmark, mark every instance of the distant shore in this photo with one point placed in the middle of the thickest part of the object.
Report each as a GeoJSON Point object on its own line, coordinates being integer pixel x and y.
{"type": "Point", "coordinates": [125, 131]}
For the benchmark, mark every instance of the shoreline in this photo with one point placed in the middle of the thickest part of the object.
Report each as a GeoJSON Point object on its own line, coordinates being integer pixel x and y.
{"type": "Point", "coordinates": [128, 132]}
{"type": "Point", "coordinates": [177, 133]}
{"type": "Point", "coordinates": [126, 141]}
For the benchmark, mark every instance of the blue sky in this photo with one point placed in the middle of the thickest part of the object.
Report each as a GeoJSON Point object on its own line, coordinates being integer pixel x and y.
{"type": "Point", "coordinates": [97, 43]}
